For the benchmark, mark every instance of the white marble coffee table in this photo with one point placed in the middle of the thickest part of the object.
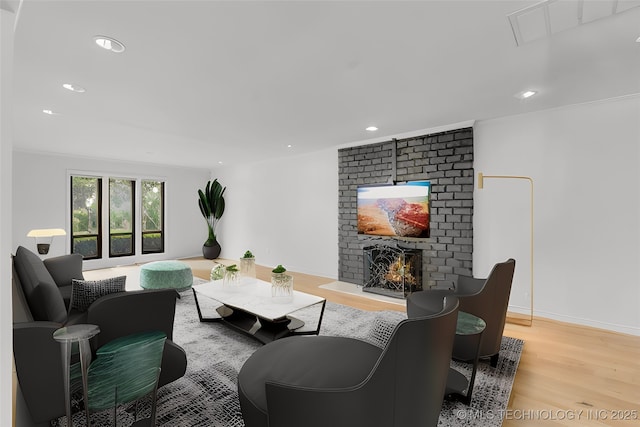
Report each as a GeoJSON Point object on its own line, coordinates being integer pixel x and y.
{"type": "Point", "coordinates": [251, 309]}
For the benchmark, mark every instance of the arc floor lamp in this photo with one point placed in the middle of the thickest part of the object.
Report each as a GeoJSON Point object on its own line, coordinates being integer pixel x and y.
{"type": "Point", "coordinates": [481, 178]}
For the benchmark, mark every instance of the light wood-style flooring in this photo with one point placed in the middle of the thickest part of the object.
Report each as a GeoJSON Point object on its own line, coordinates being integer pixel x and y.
{"type": "Point", "coordinates": [569, 375]}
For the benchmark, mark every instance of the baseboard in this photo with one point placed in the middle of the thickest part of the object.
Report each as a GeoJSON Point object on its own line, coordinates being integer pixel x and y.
{"type": "Point", "coordinates": [589, 323]}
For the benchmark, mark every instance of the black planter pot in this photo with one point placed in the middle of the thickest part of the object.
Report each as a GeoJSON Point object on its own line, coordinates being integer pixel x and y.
{"type": "Point", "coordinates": [211, 252]}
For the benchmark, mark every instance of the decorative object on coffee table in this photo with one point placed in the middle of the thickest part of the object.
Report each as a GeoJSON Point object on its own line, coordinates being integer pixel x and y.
{"type": "Point", "coordinates": [166, 274]}
{"type": "Point", "coordinates": [281, 284]}
{"type": "Point", "coordinates": [248, 268]}
{"type": "Point", "coordinates": [231, 278]}
{"type": "Point", "coordinates": [217, 272]}
{"type": "Point", "coordinates": [211, 202]}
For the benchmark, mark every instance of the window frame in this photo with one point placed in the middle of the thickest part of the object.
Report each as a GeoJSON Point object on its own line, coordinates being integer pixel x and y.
{"type": "Point", "coordinates": [98, 211]}
{"type": "Point", "coordinates": [133, 184]}
{"type": "Point", "coordinates": [144, 251]}
{"type": "Point", "coordinates": [104, 252]}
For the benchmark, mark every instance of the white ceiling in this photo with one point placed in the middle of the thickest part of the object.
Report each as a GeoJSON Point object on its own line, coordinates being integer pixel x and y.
{"type": "Point", "coordinates": [203, 82]}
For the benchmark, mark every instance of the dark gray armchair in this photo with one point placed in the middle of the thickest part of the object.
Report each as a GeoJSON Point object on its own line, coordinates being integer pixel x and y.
{"type": "Point", "coordinates": [344, 382]}
{"type": "Point", "coordinates": [40, 309]}
{"type": "Point", "coordinates": [485, 298]}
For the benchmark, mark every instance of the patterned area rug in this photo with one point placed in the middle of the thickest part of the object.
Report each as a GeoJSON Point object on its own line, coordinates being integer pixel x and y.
{"type": "Point", "coordinates": [207, 394]}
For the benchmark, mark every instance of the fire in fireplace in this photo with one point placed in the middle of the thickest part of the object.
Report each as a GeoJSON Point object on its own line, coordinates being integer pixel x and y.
{"type": "Point", "coordinates": [392, 271]}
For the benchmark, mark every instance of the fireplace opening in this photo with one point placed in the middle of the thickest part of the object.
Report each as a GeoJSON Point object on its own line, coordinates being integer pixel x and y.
{"type": "Point", "coordinates": [392, 271]}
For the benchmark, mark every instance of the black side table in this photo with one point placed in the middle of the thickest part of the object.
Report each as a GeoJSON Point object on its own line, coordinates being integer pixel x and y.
{"type": "Point", "coordinates": [465, 348]}
{"type": "Point", "coordinates": [66, 337]}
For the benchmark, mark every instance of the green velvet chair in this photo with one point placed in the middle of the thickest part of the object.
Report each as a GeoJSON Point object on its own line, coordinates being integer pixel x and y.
{"type": "Point", "coordinates": [39, 309]}
{"type": "Point", "coordinates": [125, 371]}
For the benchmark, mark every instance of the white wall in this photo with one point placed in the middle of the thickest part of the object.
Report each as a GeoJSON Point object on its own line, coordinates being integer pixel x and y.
{"type": "Point", "coordinates": [585, 162]}
{"type": "Point", "coordinates": [40, 200]}
{"type": "Point", "coordinates": [6, 143]}
{"type": "Point", "coordinates": [284, 211]}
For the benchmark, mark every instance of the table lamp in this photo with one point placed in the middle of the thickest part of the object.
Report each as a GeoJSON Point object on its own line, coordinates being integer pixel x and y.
{"type": "Point", "coordinates": [43, 234]}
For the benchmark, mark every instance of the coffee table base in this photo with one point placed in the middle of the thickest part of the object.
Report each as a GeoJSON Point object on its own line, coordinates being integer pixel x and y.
{"type": "Point", "coordinates": [261, 329]}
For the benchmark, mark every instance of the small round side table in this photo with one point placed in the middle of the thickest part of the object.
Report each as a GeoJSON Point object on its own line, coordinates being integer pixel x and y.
{"type": "Point", "coordinates": [466, 345]}
{"type": "Point", "coordinates": [66, 337]}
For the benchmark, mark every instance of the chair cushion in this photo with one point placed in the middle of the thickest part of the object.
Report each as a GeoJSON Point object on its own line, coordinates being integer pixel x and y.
{"type": "Point", "coordinates": [85, 292]}
{"type": "Point", "coordinates": [65, 268]}
{"type": "Point", "coordinates": [41, 291]}
{"type": "Point", "coordinates": [315, 362]}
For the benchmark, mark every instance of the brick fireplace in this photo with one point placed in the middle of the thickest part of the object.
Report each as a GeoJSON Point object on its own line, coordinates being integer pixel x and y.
{"type": "Point", "coordinates": [445, 159]}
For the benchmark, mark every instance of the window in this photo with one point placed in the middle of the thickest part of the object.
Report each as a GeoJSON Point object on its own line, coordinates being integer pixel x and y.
{"type": "Point", "coordinates": [121, 217]}
{"type": "Point", "coordinates": [86, 216]}
{"type": "Point", "coordinates": [135, 212]}
{"type": "Point", "coordinates": [152, 216]}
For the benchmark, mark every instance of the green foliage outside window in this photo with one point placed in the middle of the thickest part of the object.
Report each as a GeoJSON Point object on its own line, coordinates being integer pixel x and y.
{"type": "Point", "coordinates": [86, 216]}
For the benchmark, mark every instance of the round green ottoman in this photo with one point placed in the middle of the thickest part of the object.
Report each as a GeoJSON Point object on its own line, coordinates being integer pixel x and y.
{"type": "Point", "coordinates": [166, 274]}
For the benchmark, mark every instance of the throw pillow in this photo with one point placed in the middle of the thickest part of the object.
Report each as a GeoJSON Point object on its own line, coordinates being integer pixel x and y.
{"type": "Point", "coordinates": [85, 292]}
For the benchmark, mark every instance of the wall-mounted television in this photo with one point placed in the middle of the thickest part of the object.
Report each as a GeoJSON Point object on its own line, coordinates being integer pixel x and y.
{"type": "Point", "coordinates": [400, 210]}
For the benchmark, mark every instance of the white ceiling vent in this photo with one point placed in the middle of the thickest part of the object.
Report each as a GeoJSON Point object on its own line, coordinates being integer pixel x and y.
{"type": "Point", "coordinates": [552, 16]}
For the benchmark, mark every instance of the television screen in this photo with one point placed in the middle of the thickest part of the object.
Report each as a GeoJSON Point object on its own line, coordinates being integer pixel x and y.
{"type": "Point", "coordinates": [394, 210]}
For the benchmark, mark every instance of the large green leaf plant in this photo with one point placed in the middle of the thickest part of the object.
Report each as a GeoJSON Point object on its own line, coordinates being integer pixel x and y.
{"type": "Point", "coordinates": [211, 202]}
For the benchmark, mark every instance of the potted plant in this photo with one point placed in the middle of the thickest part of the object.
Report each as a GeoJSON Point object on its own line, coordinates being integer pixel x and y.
{"type": "Point", "coordinates": [217, 272]}
{"type": "Point", "coordinates": [281, 284]}
{"type": "Point", "coordinates": [211, 202]}
{"type": "Point", "coordinates": [231, 277]}
{"type": "Point", "coordinates": [248, 265]}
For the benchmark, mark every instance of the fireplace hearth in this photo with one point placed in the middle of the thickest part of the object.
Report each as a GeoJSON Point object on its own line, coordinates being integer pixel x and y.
{"type": "Point", "coordinates": [392, 271]}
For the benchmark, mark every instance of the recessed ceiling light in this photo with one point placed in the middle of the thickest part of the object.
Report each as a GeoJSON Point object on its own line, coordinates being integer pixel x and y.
{"type": "Point", "coordinates": [220, 162]}
{"type": "Point", "coordinates": [638, 40]}
{"type": "Point", "coordinates": [109, 43]}
{"type": "Point", "coordinates": [50, 112]}
{"type": "Point", "coordinates": [526, 94]}
{"type": "Point", "coordinates": [74, 88]}
{"type": "Point", "coordinates": [372, 129]}
{"type": "Point", "coordinates": [289, 146]}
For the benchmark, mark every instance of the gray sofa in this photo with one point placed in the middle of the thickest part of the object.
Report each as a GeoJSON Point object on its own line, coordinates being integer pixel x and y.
{"type": "Point", "coordinates": [41, 293]}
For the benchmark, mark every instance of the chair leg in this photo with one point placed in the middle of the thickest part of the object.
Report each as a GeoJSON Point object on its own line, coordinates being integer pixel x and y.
{"type": "Point", "coordinates": [494, 360]}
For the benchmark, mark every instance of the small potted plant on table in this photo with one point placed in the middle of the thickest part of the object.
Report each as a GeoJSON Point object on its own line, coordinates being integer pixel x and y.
{"type": "Point", "coordinates": [231, 277]}
{"type": "Point", "coordinates": [248, 267]}
{"type": "Point", "coordinates": [281, 284]}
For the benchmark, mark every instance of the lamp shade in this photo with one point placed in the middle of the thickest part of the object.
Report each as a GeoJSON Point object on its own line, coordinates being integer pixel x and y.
{"type": "Point", "coordinates": [46, 232]}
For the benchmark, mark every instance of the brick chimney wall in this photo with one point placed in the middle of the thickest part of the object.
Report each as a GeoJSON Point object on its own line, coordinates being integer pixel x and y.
{"type": "Point", "coordinates": [445, 159]}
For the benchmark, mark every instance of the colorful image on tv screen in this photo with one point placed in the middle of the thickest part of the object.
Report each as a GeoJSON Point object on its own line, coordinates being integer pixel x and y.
{"type": "Point", "coordinates": [394, 210]}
